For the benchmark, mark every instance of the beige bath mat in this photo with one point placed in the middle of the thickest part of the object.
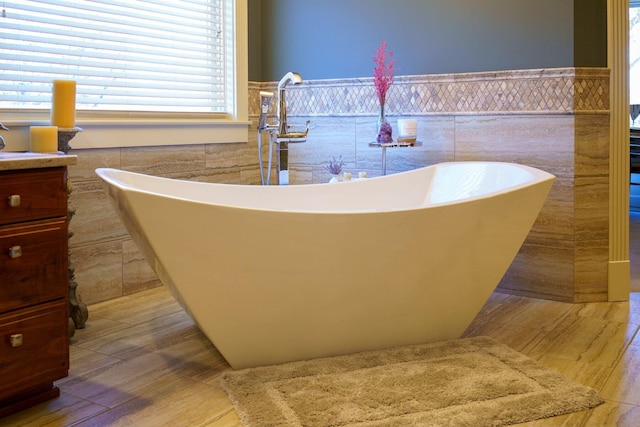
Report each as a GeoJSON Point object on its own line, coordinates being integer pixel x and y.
{"type": "Point", "coordinates": [466, 382]}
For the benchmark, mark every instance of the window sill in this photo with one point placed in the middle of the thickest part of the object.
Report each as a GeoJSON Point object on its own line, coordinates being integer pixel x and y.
{"type": "Point", "coordinates": [144, 133]}
{"type": "Point", "coordinates": [116, 133]}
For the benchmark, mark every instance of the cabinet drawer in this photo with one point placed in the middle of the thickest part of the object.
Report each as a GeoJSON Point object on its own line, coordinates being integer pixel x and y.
{"type": "Point", "coordinates": [33, 263]}
{"type": "Point", "coordinates": [34, 347]}
{"type": "Point", "coordinates": [32, 194]}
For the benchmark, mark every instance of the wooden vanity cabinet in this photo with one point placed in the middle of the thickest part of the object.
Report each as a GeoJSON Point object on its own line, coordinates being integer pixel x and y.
{"type": "Point", "coordinates": [34, 293]}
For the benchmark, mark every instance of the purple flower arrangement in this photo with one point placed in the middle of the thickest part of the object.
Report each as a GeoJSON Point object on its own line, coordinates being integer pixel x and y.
{"type": "Point", "coordinates": [335, 166]}
{"type": "Point", "coordinates": [383, 72]}
{"type": "Point", "coordinates": [383, 79]}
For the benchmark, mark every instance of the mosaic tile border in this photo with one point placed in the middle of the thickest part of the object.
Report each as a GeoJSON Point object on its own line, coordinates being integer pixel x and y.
{"type": "Point", "coordinates": [547, 91]}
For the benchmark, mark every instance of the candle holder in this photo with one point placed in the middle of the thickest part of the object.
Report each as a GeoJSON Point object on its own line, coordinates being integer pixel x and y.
{"type": "Point", "coordinates": [78, 312]}
{"type": "Point", "coordinates": [64, 136]}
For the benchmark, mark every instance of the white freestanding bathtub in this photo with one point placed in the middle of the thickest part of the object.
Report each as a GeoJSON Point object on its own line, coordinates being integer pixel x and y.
{"type": "Point", "coordinates": [280, 273]}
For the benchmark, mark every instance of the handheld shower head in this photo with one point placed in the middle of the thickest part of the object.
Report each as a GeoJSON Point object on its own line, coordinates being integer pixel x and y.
{"type": "Point", "coordinates": [265, 102]}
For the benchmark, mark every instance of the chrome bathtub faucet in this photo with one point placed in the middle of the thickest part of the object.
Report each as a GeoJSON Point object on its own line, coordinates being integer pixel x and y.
{"type": "Point", "coordinates": [290, 77]}
{"type": "Point", "coordinates": [279, 133]}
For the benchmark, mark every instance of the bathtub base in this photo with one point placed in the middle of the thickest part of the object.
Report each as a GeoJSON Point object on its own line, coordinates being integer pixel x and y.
{"type": "Point", "coordinates": [319, 327]}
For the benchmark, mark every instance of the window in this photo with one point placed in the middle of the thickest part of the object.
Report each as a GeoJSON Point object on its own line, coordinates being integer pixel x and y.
{"type": "Point", "coordinates": [168, 59]}
{"type": "Point", "coordinates": [147, 123]}
{"type": "Point", "coordinates": [166, 94]}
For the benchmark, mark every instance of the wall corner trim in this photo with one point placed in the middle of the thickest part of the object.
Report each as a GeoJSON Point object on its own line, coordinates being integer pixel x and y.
{"type": "Point", "coordinates": [619, 280]}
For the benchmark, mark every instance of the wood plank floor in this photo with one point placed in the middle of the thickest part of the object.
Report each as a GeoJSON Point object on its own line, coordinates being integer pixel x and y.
{"type": "Point", "coordinates": [141, 361]}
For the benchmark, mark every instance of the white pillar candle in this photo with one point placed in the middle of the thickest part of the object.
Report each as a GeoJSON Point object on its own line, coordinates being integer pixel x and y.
{"type": "Point", "coordinates": [43, 139]}
{"type": "Point", "coordinates": [63, 104]}
{"type": "Point", "coordinates": [407, 128]}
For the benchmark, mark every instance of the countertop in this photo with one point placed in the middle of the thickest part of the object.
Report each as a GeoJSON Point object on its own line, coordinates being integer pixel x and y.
{"type": "Point", "coordinates": [29, 160]}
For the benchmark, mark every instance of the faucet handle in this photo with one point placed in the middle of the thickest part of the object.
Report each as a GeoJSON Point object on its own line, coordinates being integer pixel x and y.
{"type": "Point", "coordinates": [294, 136]}
{"type": "Point", "coordinates": [3, 127]}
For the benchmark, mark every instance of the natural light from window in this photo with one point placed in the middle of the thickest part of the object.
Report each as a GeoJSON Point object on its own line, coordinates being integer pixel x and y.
{"type": "Point", "coordinates": [146, 56]}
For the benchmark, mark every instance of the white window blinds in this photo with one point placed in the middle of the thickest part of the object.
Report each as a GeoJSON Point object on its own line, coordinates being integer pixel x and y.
{"type": "Point", "coordinates": [128, 55]}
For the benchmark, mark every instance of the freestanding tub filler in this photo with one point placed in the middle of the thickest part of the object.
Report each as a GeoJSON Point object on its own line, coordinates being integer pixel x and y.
{"type": "Point", "coordinates": [273, 274]}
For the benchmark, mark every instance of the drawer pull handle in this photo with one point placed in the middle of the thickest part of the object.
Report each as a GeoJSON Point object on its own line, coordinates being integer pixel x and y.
{"type": "Point", "coordinates": [15, 251]}
{"type": "Point", "coordinates": [14, 200]}
{"type": "Point", "coordinates": [15, 340]}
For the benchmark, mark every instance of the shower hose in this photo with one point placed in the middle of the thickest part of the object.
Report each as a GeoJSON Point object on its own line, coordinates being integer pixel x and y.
{"type": "Point", "coordinates": [265, 180]}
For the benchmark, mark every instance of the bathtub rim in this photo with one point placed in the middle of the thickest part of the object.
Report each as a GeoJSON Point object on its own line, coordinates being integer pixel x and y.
{"type": "Point", "coordinates": [538, 176]}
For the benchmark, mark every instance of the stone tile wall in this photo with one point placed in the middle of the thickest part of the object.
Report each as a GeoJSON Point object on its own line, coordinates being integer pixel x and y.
{"type": "Point", "coordinates": [107, 264]}
{"type": "Point", "coordinates": [557, 120]}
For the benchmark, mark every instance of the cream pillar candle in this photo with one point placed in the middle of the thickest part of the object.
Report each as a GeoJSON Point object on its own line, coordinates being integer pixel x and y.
{"type": "Point", "coordinates": [407, 129]}
{"type": "Point", "coordinates": [43, 139]}
{"type": "Point", "coordinates": [63, 104]}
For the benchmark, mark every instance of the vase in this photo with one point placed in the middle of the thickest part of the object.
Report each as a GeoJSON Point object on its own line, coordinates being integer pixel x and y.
{"type": "Point", "coordinates": [335, 178]}
{"type": "Point", "coordinates": [381, 118]}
